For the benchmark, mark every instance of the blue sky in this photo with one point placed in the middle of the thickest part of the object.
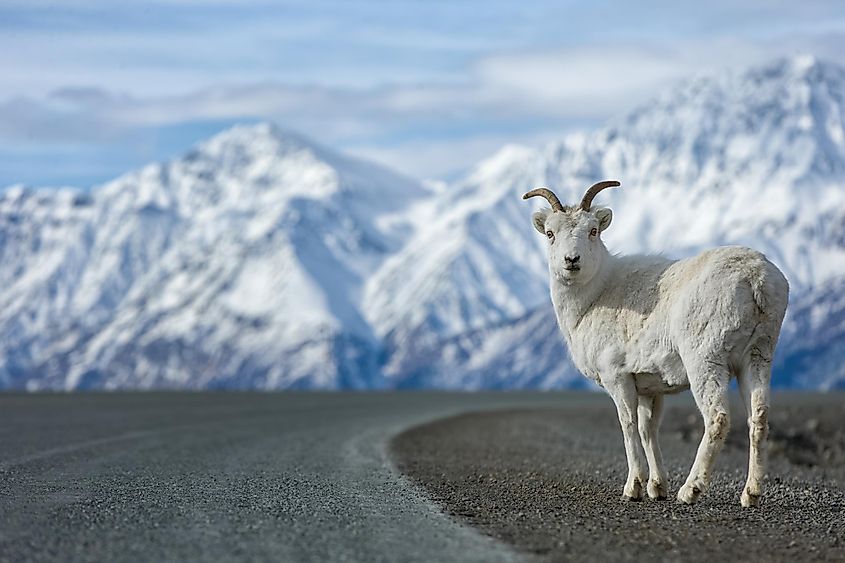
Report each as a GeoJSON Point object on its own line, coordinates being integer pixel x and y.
{"type": "Point", "coordinates": [93, 89]}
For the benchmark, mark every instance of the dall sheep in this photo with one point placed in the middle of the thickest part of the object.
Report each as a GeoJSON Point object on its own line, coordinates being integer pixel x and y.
{"type": "Point", "coordinates": [644, 326]}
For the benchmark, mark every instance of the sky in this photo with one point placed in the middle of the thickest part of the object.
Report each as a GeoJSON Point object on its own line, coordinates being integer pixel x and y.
{"type": "Point", "coordinates": [93, 89]}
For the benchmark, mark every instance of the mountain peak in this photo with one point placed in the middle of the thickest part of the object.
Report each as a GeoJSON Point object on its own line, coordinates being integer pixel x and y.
{"type": "Point", "coordinates": [261, 259]}
{"type": "Point", "coordinates": [804, 62]}
{"type": "Point", "coordinates": [259, 138]}
{"type": "Point", "coordinates": [804, 68]}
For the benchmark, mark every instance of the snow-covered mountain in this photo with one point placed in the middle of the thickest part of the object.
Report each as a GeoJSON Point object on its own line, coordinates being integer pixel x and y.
{"type": "Point", "coordinates": [239, 265]}
{"type": "Point", "coordinates": [755, 158]}
{"type": "Point", "coordinates": [263, 260]}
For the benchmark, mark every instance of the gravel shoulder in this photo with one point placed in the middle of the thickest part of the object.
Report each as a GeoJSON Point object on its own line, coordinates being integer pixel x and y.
{"type": "Point", "coordinates": [548, 481]}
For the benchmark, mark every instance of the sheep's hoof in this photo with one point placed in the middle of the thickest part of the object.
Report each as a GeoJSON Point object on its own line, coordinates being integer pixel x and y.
{"type": "Point", "coordinates": [688, 494]}
{"type": "Point", "coordinates": [657, 490]}
{"type": "Point", "coordinates": [749, 500]}
{"type": "Point", "coordinates": [633, 491]}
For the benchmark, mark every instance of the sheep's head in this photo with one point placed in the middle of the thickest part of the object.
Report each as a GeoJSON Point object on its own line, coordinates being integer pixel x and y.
{"type": "Point", "coordinates": [576, 250]}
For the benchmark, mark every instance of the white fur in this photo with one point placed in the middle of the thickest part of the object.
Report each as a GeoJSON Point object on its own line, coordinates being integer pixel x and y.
{"type": "Point", "coordinates": [643, 326]}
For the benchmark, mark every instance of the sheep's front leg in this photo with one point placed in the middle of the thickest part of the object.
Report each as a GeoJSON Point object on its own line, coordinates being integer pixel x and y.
{"type": "Point", "coordinates": [623, 391]}
{"type": "Point", "coordinates": [649, 412]}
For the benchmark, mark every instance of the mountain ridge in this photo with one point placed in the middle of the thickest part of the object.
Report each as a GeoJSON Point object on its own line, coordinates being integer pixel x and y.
{"type": "Point", "coordinates": [263, 260]}
{"type": "Point", "coordinates": [173, 280]}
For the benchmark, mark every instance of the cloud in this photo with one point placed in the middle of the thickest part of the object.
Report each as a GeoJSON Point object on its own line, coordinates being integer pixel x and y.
{"type": "Point", "coordinates": [433, 125]}
{"type": "Point", "coordinates": [565, 84]}
{"type": "Point", "coordinates": [444, 158]}
{"type": "Point", "coordinates": [602, 80]}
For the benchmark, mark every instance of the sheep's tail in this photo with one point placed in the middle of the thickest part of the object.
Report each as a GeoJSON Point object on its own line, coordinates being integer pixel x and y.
{"type": "Point", "coordinates": [770, 292]}
{"type": "Point", "coordinates": [770, 289]}
{"type": "Point", "coordinates": [758, 292]}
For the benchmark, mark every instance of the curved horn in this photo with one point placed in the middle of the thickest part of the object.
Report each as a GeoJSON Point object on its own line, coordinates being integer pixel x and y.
{"type": "Point", "coordinates": [548, 194]}
{"type": "Point", "coordinates": [587, 200]}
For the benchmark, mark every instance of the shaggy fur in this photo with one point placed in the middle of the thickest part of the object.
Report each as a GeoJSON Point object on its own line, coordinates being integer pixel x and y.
{"type": "Point", "coordinates": [644, 326]}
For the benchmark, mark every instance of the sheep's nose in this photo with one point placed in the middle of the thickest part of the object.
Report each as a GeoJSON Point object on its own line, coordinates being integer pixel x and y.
{"type": "Point", "coordinates": [572, 259]}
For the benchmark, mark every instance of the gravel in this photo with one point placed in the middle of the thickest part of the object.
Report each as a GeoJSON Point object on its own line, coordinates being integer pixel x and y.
{"type": "Point", "coordinates": [548, 481]}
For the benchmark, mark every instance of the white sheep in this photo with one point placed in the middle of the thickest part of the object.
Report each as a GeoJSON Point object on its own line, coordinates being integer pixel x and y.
{"type": "Point", "coordinates": [643, 326]}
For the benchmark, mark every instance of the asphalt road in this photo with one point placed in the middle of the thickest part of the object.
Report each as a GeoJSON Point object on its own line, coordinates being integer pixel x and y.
{"type": "Point", "coordinates": [548, 481]}
{"type": "Point", "coordinates": [316, 477]}
{"type": "Point", "coordinates": [225, 477]}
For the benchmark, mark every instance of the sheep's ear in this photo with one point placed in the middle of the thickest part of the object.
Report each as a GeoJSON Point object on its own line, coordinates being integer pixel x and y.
{"type": "Point", "coordinates": [539, 220]}
{"type": "Point", "coordinates": [605, 216]}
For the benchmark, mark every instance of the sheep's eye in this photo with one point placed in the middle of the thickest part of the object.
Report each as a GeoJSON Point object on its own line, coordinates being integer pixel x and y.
{"type": "Point", "coordinates": [594, 232]}
{"type": "Point", "coordinates": [550, 234]}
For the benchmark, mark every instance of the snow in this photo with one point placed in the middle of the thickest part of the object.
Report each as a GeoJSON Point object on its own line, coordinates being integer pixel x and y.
{"type": "Point", "coordinates": [262, 260]}
{"type": "Point", "coordinates": [745, 158]}
{"type": "Point", "coordinates": [199, 272]}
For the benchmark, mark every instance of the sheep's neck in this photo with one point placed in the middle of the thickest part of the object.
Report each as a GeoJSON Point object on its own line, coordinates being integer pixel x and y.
{"type": "Point", "coordinates": [573, 301]}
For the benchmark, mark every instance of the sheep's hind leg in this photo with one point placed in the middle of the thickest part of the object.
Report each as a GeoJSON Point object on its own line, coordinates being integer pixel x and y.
{"type": "Point", "coordinates": [754, 388]}
{"type": "Point", "coordinates": [649, 412]}
{"type": "Point", "coordinates": [623, 391]}
{"type": "Point", "coordinates": [709, 385]}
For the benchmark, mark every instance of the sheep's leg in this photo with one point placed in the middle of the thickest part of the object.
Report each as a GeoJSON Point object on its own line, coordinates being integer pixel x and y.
{"type": "Point", "coordinates": [709, 385]}
{"type": "Point", "coordinates": [754, 388]}
{"type": "Point", "coordinates": [649, 412]}
{"type": "Point", "coordinates": [624, 394]}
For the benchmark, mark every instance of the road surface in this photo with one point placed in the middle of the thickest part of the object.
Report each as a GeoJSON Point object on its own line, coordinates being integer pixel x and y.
{"type": "Point", "coordinates": [316, 477]}
{"type": "Point", "coordinates": [224, 477]}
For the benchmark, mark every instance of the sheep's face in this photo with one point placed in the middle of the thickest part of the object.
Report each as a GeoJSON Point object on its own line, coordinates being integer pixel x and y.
{"type": "Point", "coordinates": [576, 250]}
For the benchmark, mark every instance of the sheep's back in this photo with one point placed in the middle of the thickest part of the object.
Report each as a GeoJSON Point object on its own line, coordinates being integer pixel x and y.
{"type": "Point", "coordinates": [720, 299]}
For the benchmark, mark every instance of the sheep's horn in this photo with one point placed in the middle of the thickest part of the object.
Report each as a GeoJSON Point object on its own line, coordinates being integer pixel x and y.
{"type": "Point", "coordinates": [587, 200]}
{"type": "Point", "coordinates": [548, 194]}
